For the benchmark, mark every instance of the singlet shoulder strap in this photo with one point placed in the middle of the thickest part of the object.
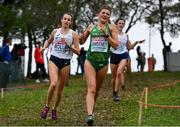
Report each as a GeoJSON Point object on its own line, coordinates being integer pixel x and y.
{"type": "Point", "coordinates": [94, 26]}
{"type": "Point", "coordinates": [127, 36]}
{"type": "Point", "coordinates": [70, 30]}
{"type": "Point", "coordinates": [108, 28]}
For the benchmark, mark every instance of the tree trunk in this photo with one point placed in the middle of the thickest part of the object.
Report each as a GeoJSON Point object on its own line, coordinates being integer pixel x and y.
{"type": "Point", "coordinates": [22, 57]}
{"type": "Point", "coordinates": [30, 54]}
{"type": "Point", "coordinates": [34, 38]}
{"type": "Point", "coordinates": [164, 51]}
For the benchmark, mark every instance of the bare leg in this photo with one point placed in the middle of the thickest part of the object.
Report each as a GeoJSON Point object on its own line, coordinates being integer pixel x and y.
{"type": "Point", "coordinates": [99, 79]}
{"type": "Point", "coordinates": [63, 76]}
{"type": "Point", "coordinates": [90, 74]}
{"type": "Point", "coordinates": [129, 66]}
{"type": "Point", "coordinates": [113, 73]}
{"type": "Point", "coordinates": [120, 74]}
{"type": "Point", "coordinates": [53, 73]}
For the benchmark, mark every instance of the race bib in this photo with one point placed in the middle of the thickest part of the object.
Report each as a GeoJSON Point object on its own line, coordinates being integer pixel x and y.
{"type": "Point", "coordinates": [99, 44]}
{"type": "Point", "coordinates": [61, 47]}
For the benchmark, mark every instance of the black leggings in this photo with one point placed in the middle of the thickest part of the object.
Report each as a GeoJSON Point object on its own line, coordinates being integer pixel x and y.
{"type": "Point", "coordinates": [41, 66]}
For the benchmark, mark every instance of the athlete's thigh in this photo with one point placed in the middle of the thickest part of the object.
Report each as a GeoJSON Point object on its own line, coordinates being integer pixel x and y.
{"type": "Point", "coordinates": [64, 73]}
{"type": "Point", "coordinates": [129, 63]}
{"type": "Point", "coordinates": [113, 70]}
{"type": "Point", "coordinates": [90, 74]}
{"type": "Point", "coordinates": [53, 72]}
{"type": "Point", "coordinates": [122, 65]}
{"type": "Point", "coordinates": [101, 75]}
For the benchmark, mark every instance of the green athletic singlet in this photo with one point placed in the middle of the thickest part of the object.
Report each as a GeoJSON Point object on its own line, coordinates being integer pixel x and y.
{"type": "Point", "coordinates": [99, 48]}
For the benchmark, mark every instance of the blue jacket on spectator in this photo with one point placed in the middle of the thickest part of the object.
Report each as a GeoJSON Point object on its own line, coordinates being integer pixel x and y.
{"type": "Point", "coordinates": [5, 54]}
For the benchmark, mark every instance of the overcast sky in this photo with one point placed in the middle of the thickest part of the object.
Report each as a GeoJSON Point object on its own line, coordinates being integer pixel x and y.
{"type": "Point", "coordinates": [141, 31]}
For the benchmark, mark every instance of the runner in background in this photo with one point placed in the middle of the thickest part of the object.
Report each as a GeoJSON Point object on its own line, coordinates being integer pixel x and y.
{"type": "Point", "coordinates": [119, 57]}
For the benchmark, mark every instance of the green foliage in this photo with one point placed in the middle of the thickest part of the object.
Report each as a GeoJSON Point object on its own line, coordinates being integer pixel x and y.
{"type": "Point", "coordinates": [7, 19]}
{"type": "Point", "coordinates": [169, 13]}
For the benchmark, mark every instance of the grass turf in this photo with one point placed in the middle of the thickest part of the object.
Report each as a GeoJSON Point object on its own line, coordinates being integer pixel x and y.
{"type": "Point", "coordinates": [22, 107]}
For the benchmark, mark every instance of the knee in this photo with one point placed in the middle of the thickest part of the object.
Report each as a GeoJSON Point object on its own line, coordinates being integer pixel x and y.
{"type": "Point", "coordinates": [119, 73]}
{"type": "Point", "coordinates": [92, 91]}
{"type": "Point", "coordinates": [113, 80]}
{"type": "Point", "coordinates": [54, 83]}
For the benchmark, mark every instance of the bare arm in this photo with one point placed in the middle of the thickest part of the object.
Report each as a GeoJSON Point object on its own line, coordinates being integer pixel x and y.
{"type": "Point", "coordinates": [85, 34]}
{"type": "Point", "coordinates": [49, 41]}
{"type": "Point", "coordinates": [75, 48]}
{"type": "Point", "coordinates": [112, 39]}
{"type": "Point", "coordinates": [132, 45]}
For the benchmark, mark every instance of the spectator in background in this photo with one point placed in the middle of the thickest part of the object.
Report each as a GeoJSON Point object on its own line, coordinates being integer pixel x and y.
{"type": "Point", "coordinates": [39, 62]}
{"type": "Point", "coordinates": [5, 58]}
{"type": "Point", "coordinates": [143, 61]}
{"type": "Point", "coordinates": [18, 54]}
{"type": "Point", "coordinates": [166, 49]}
{"type": "Point", "coordinates": [16, 68]}
{"type": "Point", "coordinates": [15, 53]}
{"type": "Point", "coordinates": [5, 54]}
{"type": "Point", "coordinates": [81, 59]}
{"type": "Point", "coordinates": [139, 57]}
{"type": "Point", "coordinates": [153, 62]}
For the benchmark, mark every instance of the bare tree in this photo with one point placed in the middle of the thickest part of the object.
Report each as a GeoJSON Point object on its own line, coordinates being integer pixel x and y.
{"type": "Point", "coordinates": [165, 16]}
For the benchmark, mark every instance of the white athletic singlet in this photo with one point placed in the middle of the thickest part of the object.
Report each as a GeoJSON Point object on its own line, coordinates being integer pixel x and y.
{"type": "Point", "coordinates": [60, 49]}
{"type": "Point", "coordinates": [48, 51]}
{"type": "Point", "coordinates": [122, 44]}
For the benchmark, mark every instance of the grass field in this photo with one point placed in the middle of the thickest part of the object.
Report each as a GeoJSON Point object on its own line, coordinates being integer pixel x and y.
{"type": "Point", "coordinates": [22, 107]}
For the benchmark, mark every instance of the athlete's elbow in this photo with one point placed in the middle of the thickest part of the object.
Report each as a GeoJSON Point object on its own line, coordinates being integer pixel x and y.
{"type": "Point", "coordinates": [129, 48]}
{"type": "Point", "coordinates": [81, 42]}
{"type": "Point", "coordinates": [77, 52]}
{"type": "Point", "coordinates": [115, 45]}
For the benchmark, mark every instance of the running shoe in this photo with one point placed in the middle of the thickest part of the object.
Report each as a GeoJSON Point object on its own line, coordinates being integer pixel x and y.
{"type": "Point", "coordinates": [123, 87]}
{"type": "Point", "coordinates": [44, 112]}
{"type": "Point", "coordinates": [46, 80]}
{"type": "Point", "coordinates": [54, 114]}
{"type": "Point", "coordinates": [115, 96]}
{"type": "Point", "coordinates": [38, 81]}
{"type": "Point", "coordinates": [90, 120]}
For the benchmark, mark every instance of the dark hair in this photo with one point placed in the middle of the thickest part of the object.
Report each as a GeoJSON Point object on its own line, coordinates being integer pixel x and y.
{"type": "Point", "coordinates": [106, 7]}
{"type": "Point", "coordinates": [118, 20]}
{"type": "Point", "coordinates": [7, 40]}
{"type": "Point", "coordinates": [67, 13]}
{"type": "Point", "coordinates": [138, 48]}
{"type": "Point", "coordinates": [38, 42]}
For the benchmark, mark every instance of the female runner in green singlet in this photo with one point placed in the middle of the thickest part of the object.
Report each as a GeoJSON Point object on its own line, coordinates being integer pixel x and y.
{"type": "Point", "coordinates": [102, 36]}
